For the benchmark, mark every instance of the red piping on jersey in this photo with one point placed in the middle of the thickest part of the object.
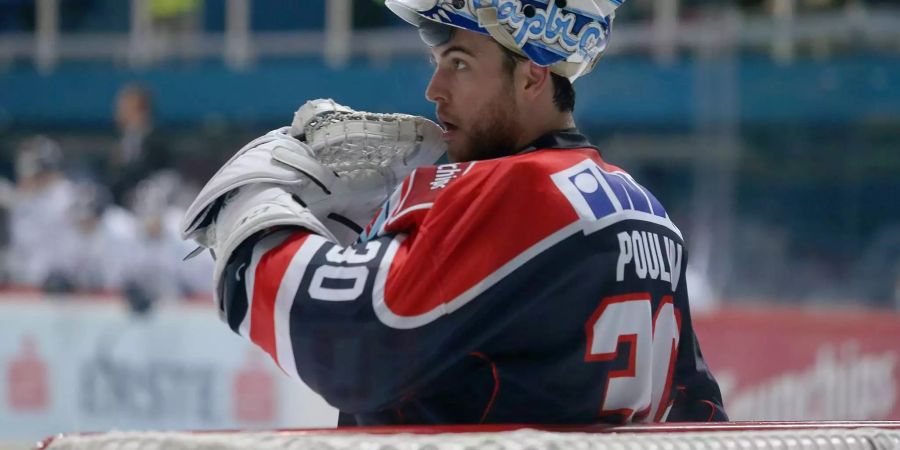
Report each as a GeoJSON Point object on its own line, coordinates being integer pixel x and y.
{"type": "Point", "coordinates": [496, 376]}
{"type": "Point", "coordinates": [670, 374]}
{"type": "Point", "coordinates": [714, 409]}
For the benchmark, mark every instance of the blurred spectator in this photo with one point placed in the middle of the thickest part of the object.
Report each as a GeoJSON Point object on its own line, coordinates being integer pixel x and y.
{"type": "Point", "coordinates": [158, 269]}
{"type": "Point", "coordinates": [97, 254]}
{"type": "Point", "coordinates": [38, 222]}
{"type": "Point", "coordinates": [141, 151]}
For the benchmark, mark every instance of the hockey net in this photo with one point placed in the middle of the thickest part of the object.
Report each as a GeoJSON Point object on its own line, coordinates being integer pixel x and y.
{"type": "Point", "coordinates": [782, 436]}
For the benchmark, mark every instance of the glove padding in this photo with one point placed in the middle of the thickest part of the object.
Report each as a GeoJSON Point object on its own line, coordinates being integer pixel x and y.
{"type": "Point", "coordinates": [248, 210]}
{"type": "Point", "coordinates": [328, 172]}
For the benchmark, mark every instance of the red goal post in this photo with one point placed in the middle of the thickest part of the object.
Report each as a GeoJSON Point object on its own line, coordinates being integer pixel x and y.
{"type": "Point", "coordinates": [738, 435]}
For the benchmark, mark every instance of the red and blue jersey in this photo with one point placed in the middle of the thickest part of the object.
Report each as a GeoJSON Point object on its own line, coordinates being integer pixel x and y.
{"type": "Point", "coordinates": [545, 287]}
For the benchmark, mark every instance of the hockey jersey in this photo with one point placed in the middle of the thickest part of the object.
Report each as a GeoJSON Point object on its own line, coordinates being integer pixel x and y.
{"type": "Point", "coordinates": [545, 287]}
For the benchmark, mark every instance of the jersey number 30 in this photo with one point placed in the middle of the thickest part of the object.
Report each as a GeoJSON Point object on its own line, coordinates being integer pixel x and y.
{"type": "Point", "coordinates": [622, 326]}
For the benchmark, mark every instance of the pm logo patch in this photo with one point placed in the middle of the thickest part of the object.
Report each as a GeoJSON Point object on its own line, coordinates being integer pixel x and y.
{"type": "Point", "coordinates": [596, 193]}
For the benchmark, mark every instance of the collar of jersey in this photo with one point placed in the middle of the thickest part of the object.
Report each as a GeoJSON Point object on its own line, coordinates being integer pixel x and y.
{"type": "Point", "coordinates": [564, 139]}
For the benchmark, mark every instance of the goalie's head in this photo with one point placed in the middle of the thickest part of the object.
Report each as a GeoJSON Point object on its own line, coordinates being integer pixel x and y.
{"type": "Point", "coordinates": [569, 36]}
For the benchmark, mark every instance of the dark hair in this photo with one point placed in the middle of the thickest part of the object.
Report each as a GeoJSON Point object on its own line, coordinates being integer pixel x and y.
{"type": "Point", "coordinates": [563, 92]}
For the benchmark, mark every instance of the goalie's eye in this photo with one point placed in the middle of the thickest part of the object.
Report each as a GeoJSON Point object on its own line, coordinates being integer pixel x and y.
{"type": "Point", "coordinates": [459, 64]}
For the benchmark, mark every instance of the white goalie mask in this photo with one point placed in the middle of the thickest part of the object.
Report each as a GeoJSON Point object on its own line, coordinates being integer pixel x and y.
{"type": "Point", "coordinates": [569, 36]}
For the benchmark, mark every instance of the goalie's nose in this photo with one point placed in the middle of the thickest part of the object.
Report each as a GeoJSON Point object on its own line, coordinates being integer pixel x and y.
{"type": "Point", "coordinates": [438, 90]}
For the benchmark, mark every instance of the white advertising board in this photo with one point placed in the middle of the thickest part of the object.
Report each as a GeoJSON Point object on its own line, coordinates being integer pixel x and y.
{"type": "Point", "coordinates": [76, 366]}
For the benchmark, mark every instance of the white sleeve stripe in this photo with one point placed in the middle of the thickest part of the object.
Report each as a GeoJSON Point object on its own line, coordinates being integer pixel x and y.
{"type": "Point", "coordinates": [259, 250]}
{"type": "Point", "coordinates": [284, 301]}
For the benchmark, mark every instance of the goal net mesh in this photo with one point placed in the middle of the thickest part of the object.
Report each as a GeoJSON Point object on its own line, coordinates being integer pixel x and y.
{"type": "Point", "coordinates": [524, 439]}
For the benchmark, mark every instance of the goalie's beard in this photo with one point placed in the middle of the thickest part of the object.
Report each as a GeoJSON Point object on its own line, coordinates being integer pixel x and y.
{"type": "Point", "coordinates": [494, 132]}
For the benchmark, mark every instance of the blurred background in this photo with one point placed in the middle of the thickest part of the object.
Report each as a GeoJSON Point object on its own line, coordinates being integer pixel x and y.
{"type": "Point", "coordinates": [769, 128]}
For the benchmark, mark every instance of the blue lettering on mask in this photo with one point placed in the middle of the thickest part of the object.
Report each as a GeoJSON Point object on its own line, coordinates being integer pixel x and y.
{"type": "Point", "coordinates": [550, 31]}
{"type": "Point", "coordinates": [550, 25]}
{"type": "Point", "coordinates": [507, 11]}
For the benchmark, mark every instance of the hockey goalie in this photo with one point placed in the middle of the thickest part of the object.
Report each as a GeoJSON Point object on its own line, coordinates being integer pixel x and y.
{"type": "Point", "coordinates": [526, 281]}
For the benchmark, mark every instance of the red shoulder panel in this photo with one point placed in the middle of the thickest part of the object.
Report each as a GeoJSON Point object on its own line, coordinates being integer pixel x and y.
{"type": "Point", "coordinates": [479, 219]}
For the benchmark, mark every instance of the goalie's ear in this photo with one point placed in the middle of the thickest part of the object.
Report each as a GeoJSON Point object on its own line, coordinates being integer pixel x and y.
{"type": "Point", "coordinates": [533, 81]}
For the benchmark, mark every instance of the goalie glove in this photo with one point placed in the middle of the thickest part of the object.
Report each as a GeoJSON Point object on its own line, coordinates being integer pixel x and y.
{"type": "Point", "coordinates": [328, 172]}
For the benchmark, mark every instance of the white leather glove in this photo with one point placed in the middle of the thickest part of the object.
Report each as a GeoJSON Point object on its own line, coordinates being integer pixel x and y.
{"type": "Point", "coordinates": [328, 172]}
